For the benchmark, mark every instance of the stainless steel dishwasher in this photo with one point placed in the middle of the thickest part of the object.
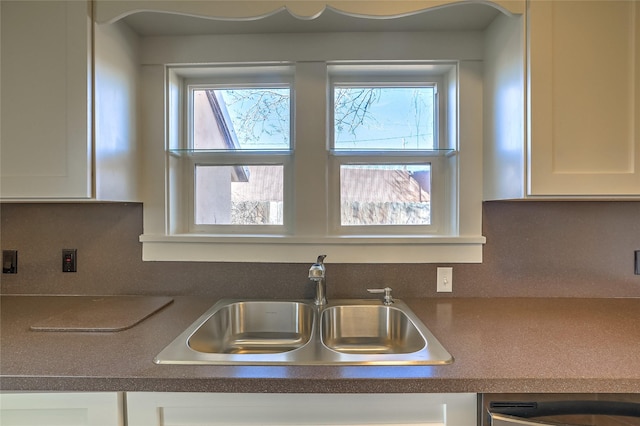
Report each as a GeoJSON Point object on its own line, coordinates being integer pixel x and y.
{"type": "Point", "coordinates": [561, 409]}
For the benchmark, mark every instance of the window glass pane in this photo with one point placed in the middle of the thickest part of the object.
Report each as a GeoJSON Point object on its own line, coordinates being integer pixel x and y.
{"type": "Point", "coordinates": [385, 194]}
{"type": "Point", "coordinates": [384, 118]}
{"type": "Point", "coordinates": [241, 119]}
{"type": "Point", "coordinates": [238, 195]}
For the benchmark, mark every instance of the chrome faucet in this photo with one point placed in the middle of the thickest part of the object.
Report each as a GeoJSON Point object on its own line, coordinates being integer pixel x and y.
{"type": "Point", "coordinates": [317, 274]}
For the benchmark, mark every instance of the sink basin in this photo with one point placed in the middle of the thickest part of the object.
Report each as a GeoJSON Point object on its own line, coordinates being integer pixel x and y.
{"type": "Point", "coordinates": [295, 332]}
{"type": "Point", "coordinates": [366, 329]}
{"type": "Point", "coordinates": [255, 327]}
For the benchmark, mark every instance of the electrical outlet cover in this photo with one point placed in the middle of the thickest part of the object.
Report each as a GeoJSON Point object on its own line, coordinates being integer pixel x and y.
{"type": "Point", "coordinates": [445, 280]}
{"type": "Point", "coordinates": [69, 260]}
{"type": "Point", "coordinates": [9, 261]}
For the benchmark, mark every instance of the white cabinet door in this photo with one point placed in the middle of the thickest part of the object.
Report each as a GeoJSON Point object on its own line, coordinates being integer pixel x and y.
{"type": "Point", "coordinates": [45, 136]}
{"type": "Point", "coordinates": [61, 409]}
{"type": "Point", "coordinates": [584, 87]}
{"type": "Point", "coordinates": [190, 409]}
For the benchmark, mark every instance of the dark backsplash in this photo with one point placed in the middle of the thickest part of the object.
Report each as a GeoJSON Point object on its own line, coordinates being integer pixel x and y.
{"type": "Point", "coordinates": [533, 249]}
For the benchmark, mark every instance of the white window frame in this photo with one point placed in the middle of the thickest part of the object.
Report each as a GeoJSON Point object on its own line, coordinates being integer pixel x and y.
{"type": "Point", "coordinates": [439, 207]}
{"type": "Point", "coordinates": [233, 159]}
{"type": "Point", "coordinates": [182, 80]}
{"type": "Point", "coordinates": [405, 74]}
{"type": "Point", "coordinates": [166, 239]}
{"type": "Point", "coordinates": [221, 77]}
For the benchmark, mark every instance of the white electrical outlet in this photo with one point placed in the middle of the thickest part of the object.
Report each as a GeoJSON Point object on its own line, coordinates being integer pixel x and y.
{"type": "Point", "coordinates": [445, 280]}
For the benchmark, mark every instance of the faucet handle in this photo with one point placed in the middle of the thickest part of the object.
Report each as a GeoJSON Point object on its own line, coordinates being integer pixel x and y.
{"type": "Point", "coordinates": [388, 298]}
{"type": "Point", "coordinates": [317, 270]}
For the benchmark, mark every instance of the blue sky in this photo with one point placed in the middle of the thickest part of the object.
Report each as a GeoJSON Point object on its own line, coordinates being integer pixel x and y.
{"type": "Point", "coordinates": [391, 122]}
{"type": "Point", "coordinates": [394, 123]}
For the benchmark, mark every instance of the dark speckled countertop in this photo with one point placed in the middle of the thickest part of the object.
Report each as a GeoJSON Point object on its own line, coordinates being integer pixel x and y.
{"type": "Point", "coordinates": [499, 345]}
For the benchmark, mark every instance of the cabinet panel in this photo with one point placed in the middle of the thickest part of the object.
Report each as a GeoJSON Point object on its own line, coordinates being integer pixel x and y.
{"type": "Point", "coordinates": [504, 109]}
{"type": "Point", "coordinates": [109, 10]}
{"type": "Point", "coordinates": [63, 409]}
{"type": "Point", "coordinates": [584, 98]}
{"type": "Point", "coordinates": [46, 97]}
{"type": "Point", "coordinates": [116, 147]}
{"type": "Point", "coordinates": [172, 409]}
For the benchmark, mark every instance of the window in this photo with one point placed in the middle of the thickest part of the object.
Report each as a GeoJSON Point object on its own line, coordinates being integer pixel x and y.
{"type": "Point", "coordinates": [387, 136]}
{"type": "Point", "coordinates": [224, 123]}
{"type": "Point", "coordinates": [385, 194]}
{"type": "Point", "coordinates": [235, 150]}
{"type": "Point", "coordinates": [361, 160]}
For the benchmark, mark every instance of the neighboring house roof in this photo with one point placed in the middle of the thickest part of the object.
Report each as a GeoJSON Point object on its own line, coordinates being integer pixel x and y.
{"type": "Point", "coordinates": [266, 184]}
{"type": "Point", "coordinates": [221, 115]}
{"type": "Point", "coordinates": [382, 186]}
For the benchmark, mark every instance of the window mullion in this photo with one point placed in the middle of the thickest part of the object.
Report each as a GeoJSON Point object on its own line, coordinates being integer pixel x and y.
{"type": "Point", "coordinates": [311, 156]}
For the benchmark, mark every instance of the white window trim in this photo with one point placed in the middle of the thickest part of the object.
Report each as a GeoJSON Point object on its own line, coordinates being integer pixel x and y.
{"type": "Point", "coordinates": [202, 248]}
{"type": "Point", "coordinates": [271, 158]}
{"type": "Point", "coordinates": [401, 75]}
{"type": "Point", "coordinates": [162, 241]}
{"type": "Point", "coordinates": [189, 78]}
{"type": "Point", "coordinates": [437, 226]}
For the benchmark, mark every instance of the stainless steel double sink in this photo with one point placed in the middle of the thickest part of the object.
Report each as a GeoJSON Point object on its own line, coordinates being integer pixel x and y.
{"type": "Point", "coordinates": [293, 332]}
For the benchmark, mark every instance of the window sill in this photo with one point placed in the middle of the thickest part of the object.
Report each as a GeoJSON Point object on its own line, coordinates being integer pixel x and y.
{"type": "Point", "coordinates": [208, 248]}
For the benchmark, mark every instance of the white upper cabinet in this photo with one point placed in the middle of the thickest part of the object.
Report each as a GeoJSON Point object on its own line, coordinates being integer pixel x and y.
{"type": "Point", "coordinates": [584, 97]}
{"type": "Point", "coordinates": [561, 86]}
{"type": "Point", "coordinates": [578, 134]}
{"type": "Point", "coordinates": [69, 104]}
{"type": "Point", "coordinates": [45, 138]}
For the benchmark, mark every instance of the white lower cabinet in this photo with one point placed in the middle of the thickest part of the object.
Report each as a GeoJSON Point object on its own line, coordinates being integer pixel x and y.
{"type": "Point", "coordinates": [190, 409]}
{"type": "Point", "coordinates": [61, 409]}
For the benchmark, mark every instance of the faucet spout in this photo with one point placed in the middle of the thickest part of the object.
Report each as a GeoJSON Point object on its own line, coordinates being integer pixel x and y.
{"type": "Point", "coordinates": [317, 275]}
